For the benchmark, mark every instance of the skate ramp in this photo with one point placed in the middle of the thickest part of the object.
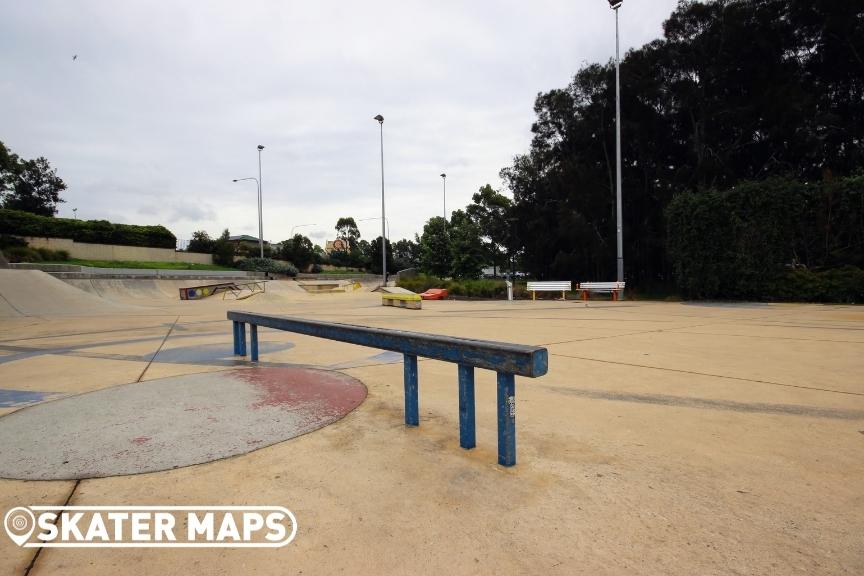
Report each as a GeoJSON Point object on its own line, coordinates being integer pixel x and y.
{"type": "Point", "coordinates": [122, 290]}
{"type": "Point", "coordinates": [35, 293]}
{"type": "Point", "coordinates": [162, 292]}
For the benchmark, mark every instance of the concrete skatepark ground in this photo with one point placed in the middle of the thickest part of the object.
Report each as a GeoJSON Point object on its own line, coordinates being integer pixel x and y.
{"type": "Point", "coordinates": [667, 438]}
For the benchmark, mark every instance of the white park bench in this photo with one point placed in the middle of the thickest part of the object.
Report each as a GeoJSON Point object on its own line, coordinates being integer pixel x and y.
{"type": "Point", "coordinates": [614, 287]}
{"type": "Point", "coordinates": [535, 287]}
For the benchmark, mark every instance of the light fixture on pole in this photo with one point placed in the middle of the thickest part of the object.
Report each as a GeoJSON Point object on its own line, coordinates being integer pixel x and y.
{"type": "Point", "coordinates": [377, 218]}
{"type": "Point", "coordinates": [260, 212]}
{"type": "Point", "coordinates": [615, 5]}
{"type": "Point", "coordinates": [380, 120]}
{"type": "Point", "coordinates": [300, 226]}
{"type": "Point", "coordinates": [258, 186]}
{"type": "Point", "coordinates": [444, 179]}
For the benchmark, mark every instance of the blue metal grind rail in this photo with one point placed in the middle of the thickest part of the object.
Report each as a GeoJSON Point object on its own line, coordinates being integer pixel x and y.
{"type": "Point", "coordinates": [508, 360]}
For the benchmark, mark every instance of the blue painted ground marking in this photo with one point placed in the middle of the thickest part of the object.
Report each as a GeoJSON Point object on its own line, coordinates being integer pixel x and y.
{"type": "Point", "coordinates": [382, 358]}
{"type": "Point", "coordinates": [14, 398]}
{"type": "Point", "coordinates": [193, 354]}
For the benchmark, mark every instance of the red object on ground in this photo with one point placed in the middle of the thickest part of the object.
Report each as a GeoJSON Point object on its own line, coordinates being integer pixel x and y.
{"type": "Point", "coordinates": [435, 294]}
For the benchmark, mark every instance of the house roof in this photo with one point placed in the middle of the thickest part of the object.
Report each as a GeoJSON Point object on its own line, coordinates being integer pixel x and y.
{"type": "Point", "coordinates": [244, 238]}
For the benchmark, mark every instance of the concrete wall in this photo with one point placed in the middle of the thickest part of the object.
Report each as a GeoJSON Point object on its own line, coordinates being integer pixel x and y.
{"type": "Point", "coordinates": [86, 251]}
{"type": "Point", "coordinates": [75, 271]}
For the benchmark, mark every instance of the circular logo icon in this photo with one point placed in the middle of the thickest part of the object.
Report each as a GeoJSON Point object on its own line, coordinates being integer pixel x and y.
{"type": "Point", "coordinates": [19, 523]}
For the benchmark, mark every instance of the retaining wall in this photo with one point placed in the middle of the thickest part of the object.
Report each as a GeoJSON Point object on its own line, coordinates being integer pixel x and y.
{"type": "Point", "coordinates": [85, 251]}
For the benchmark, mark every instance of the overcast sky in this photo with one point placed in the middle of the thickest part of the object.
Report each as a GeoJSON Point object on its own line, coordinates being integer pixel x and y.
{"type": "Point", "coordinates": [166, 102]}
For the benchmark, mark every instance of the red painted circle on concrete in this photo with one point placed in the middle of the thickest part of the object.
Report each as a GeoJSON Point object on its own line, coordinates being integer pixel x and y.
{"type": "Point", "coordinates": [171, 422]}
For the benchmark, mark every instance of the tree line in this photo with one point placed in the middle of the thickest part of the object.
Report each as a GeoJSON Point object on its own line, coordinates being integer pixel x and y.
{"type": "Point", "coordinates": [735, 91]}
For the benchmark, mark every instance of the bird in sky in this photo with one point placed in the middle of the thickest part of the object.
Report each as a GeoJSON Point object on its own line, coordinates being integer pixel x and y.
{"type": "Point", "coordinates": [75, 57]}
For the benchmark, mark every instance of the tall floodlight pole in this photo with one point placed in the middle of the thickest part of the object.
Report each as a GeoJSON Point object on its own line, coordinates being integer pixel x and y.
{"type": "Point", "coordinates": [260, 216]}
{"type": "Point", "coordinates": [444, 178]}
{"type": "Point", "coordinates": [615, 5]}
{"type": "Point", "coordinates": [380, 120]}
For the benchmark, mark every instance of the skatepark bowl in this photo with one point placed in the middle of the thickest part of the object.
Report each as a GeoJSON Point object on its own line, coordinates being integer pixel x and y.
{"type": "Point", "coordinates": [666, 437]}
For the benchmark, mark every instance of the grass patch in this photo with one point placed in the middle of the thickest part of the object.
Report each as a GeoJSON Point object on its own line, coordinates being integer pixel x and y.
{"type": "Point", "coordinates": [140, 265]}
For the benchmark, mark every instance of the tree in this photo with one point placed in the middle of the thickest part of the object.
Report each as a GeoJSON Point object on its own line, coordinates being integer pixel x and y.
{"type": "Point", "coordinates": [466, 247]}
{"type": "Point", "coordinates": [300, 251]}
{"type": "Point", "coordinates": [320, 254]}
{"type": "Point", "coordinates": [492, 211]}
{"type": "Point", "coordinates": [223, 250]}
{"type": "Point", "coordinates": [29, 185]}
{"type": "Point", "coordinates": [435, 254]}
{"type": "Point", "coordinates": [406, 253]}
{"type": "Point", "coordinates": [200, 242]}
{"type": "Point", "coordinates": [346, 229]}
{"type": "Point", "coordinates": [375, 256]}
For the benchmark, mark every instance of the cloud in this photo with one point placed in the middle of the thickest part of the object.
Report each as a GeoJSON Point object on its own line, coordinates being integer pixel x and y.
{"type": "Point", "coordinates": [167, 101]}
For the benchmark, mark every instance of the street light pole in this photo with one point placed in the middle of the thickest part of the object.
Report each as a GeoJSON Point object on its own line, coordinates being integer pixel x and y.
{"type": "Point", "coordinates": [260, 213]}
{"type": "Point", "coordinates": [615, 5]}
{"type": "Point", "coordinates": [444, 178]}
{"type": "Point", "coordinates": [380, 120]}
{"type": "Point", "coordinates": [299, 226]}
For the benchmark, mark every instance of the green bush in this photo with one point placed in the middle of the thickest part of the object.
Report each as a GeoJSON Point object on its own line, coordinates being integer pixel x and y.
{"type": "Point", "coordinates": [24, 253]}
{"type": "Point", "coordinates": [421, 283]}
{"type": "Point", "coordinates": [267, 265]}
{"type": "Point", "coordinates": [844, 284]}
{"type": "Point", "coordinates": [90, 231]}
{"type": "Point", "coordinates": [742, 243]}
{"type": "Point", "coordinates": [7, 241]}
{"type": "Point", "coordinates": [467, 288]}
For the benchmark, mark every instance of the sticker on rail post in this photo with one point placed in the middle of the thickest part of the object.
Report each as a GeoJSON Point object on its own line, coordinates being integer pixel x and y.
{"type": "Point", "coordinates": [150, 526]}
{"type": "Point", "coordinates": [511, 403]}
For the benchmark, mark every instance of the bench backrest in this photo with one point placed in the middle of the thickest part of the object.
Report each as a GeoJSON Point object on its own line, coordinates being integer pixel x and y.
{"type": "Point", "coordinates": [519, 359]}
{"type": "Point", "coordinates": [602, 285]}
{"type": "Point", "coordinates": [550, 286]}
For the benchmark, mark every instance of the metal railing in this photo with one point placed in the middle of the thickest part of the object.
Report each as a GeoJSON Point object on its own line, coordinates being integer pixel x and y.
{"type": "Point", "coordinates": [508, 360]}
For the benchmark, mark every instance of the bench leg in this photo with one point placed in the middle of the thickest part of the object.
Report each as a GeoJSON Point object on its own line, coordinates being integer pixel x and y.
{"type": "Point", "coordinates": [563, 295]}
{"type": "Point", "coordinates": [236, 327]}
{"type": "Point", "coordinates": [506, 419]}
{"type": "Point", "coordinates": [467, 428]}
{"type": "Point", "coordinates": [533, 295]}
{"type": "Point", "coordinates": [241, 332]}
{"type": "Point", "coordinates": [585, 295]}
{"type": "Point", "coordinates": [253, 337]}
{"type": "Point", "coordinates": [412, 408]}
{"type": "Point", "coordinates": [614, 295]}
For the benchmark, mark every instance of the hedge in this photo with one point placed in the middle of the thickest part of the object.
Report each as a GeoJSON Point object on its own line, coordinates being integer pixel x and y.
{"type": "Point", "coordinates": [88, 231]}
{"type": "Point", "coordinates": [776, 239]}
{"type": "Point", "coordinates": [483, 288]}
{"type": "Point", "coordinates": [267, 265]}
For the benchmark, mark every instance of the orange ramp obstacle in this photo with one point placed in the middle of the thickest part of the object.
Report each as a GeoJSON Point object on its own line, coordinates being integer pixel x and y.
{"type": "Point", "coordinates": [435, 294]}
